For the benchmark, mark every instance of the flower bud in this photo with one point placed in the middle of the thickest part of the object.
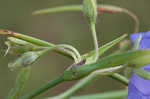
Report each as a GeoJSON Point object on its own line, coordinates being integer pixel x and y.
{"type": "Point", "coordinates": [124, 45]}
{"type": "Point", "coordinates": [26, 59]}
{"type": "Point", "coordinates": [90, 10]}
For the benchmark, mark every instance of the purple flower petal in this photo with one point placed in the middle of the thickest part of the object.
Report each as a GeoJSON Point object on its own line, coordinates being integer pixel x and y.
{"type": "Point", "coordinates": [139, 88]}
{"type": "Point", "coordinates": [140, 84]}
{"type": "Point", "coordinates": [134, 93]}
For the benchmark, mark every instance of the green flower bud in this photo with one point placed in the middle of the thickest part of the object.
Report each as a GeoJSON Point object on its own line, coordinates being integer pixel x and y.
{"type": "Point", "coordinates": [26, 59]}
{"type": "Point", "coordinates": [124, 45]}
{"type": "Point", "coordinates": [90, 10]}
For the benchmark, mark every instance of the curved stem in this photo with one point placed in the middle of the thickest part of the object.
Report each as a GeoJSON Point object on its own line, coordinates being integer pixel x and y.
{"type": "Point", "coordinates": [74, 50]}
{"type": "Point", "coordinates": [134, 17]}
{"type": "Point", "coordinates": [100, 8]}
{"type": "Point", "coordinates": [70, 53]}
{"type": "Point", "coordinates": [43, 88]}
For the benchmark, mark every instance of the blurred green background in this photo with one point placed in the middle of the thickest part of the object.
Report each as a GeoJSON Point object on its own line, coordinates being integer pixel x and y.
{"type": "Point", "coordinates": [70, 28]}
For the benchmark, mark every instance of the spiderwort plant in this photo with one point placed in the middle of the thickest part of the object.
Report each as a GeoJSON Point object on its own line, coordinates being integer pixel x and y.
{"type": "Point", "coordinates": [86, 66]}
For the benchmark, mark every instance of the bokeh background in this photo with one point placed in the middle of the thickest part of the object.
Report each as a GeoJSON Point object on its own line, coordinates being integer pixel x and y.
{"type": "Point", "coordinates": [70, 28]}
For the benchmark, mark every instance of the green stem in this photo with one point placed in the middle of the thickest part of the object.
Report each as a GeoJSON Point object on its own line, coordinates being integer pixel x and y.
{"type": "Point", "coordinates": [83, 82]}
{"type": "Point", "coordinates": [74, 50]}
{"type": "Point", "coordinates": [107, 95]}
{"type": "Point", "coordinates": [43, 88]}
{"type": "Point", "coordinates": [20, 82]}
{"type": "Point", "coordinates": [120, 78]}
{"type": "Point", "coordinates": [134, 17]}
{"type": "Point", "coordinates": [95, 40]}
{"type": "Point", "coordinates": [59, 9]}
{"type": "Point", "coordinates": [32, 40]}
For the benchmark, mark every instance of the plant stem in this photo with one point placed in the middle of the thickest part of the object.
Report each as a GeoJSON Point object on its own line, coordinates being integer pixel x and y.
{"type": "Point", "coordinates": [135, 18]}
{"type": "Point", "coordinates": [120, 78]}
{"type": "Point", "coordinates": [22, 77]}
{"type": "Point", "coordinates": [32, 39]}
{"type": "Point", "coordinates": [83, 82]}
{"type": "Point", "coordinates": [73, 50]}
{"type": "Point", "coordinates": [43, 88]}
{"type": "Point", "coordinates": [95, 40]}
{"type": "Point", "coordinates": [58, 9]}
{"type": "Point", "coordinates": [107, 95]}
